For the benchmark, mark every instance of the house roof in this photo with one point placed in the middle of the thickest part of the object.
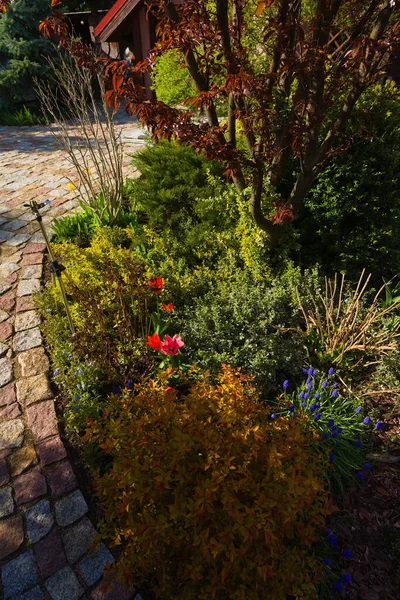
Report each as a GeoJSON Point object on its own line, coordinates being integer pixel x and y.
{"type": "Point", "coordinates": [117, 13]}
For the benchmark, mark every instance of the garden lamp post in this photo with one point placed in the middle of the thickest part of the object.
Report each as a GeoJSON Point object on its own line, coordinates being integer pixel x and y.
{"type": "Point", "coordinates": [56, 266]}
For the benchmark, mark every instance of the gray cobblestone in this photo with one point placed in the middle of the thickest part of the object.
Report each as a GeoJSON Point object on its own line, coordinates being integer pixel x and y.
{"type": "Point", "coordinates": [70, 508]}
{"type": "Point", "coordinates": [64, 585]}
{"type": "Point", "coordinates": [19, 574]}
{"type": "Point", "coordinates": [6, 501]}
{"type": "Point", "coordinates": [92, 566]}
{"type": "Point", "coordinates": [39, 521]}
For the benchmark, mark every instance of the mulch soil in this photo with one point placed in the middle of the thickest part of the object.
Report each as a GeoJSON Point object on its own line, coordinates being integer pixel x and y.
{"type": "Point", "coordinates": [369, 517]}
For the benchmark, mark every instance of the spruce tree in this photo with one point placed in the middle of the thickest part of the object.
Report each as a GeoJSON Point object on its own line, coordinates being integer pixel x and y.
{"type": "Point", "coordinates": [23, 50]}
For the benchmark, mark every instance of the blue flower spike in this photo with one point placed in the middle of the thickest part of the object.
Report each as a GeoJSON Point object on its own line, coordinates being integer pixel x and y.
{"type": "Point", "coordinates": [347, 554]}
{"type": "Point", "coordinates": [366, 421]}
{"type": "Point", "coordinates": [346, 578]}
{"type": "Point", "coordinates": [337, 586]}
{"type": "Point", "coordinates": [285, 384]}
{"type": "Point", "coordinates": [331, 457]}
{"type": "Point", "coordinates": [331, 371]}
{"type": "Point", "coordinates": [359, 475]}
{"type": "Point", "coordinates": [335, 394]}
{"type": "Point", "coordinates": [358, 443]}
{"type": "Point", "coordinates": [379, 425]}
{"type": "Point", "coordinates": [273, 416]}
{"type": "Point", "coordinates": [324, 384]}
{"type": "Point", "coordinates": [358, 410]}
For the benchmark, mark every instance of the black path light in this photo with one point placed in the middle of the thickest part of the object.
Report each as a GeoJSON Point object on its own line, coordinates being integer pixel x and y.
{"type": "Point", "coordinates": [56, 266]}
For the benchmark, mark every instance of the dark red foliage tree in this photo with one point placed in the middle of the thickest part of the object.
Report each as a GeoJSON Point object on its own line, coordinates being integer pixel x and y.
{"type": "Point", "coordinates": [289, 71]}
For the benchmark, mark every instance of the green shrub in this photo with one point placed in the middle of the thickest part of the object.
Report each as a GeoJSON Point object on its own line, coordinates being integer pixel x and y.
{"type": "Point", "coordinates": [248, 323]}
{"type": "Point", "coordinates": [350, 220]}
{"type": "Point", "coordinates": [171, 178]}
{"type": "Point", "coordinates": [171, 80]}
{"type": "Point", "coordinates": [109, 307]}
{"type": "Point", "coordinates": [235, 500]}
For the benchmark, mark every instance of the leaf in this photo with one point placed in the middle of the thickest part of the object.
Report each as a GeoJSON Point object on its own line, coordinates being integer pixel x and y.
{"type": "Point", "coordinates": [262, 4]}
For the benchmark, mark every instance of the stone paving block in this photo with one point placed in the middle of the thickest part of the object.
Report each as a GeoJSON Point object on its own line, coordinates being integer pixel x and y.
{"type": "Point", "coordinates": [11, 535]}
{"type": "Point", "coordinates": [12, 278]}
{"type": "Point", "coordinates": [32, 259]}
{"type": "Point", "coordinates": [32, 594]}
{"type": "Point", "coordinates": [51, 451]}
{"type": "Point", "coordinates": [32, 389]}
{"type": "Point", "coordinates": [11, 434]}
{"type": "Point", "coordinates": [33, 362]}
{"type": "Point", "coordinates": [6, 330]}
{"type": "Point", "coordinates": [14, 225]}
{"type": "Point", "coordinates": [42, 420]}
{"type": "Point", "coordinates": [92, 566]}
{"type": "Point", "coordinates": [8, 268]}
{"type": "Point", "coordinates": [4, 348]}
{"type": "Point", "coordinates": [39, 521]}
{"type": "Point", "coordinates": [29, 486]}
{"type": "Point", "coordinates": [4, 474]}
{"type": "Point", "coordinates": [15, 257]}
{"type": "Point", "coordinates": [18, 239]}
{"type": "Point", "coordinates": [78, 539]}
{"type": "Point", "coordinates": [26, 287]}
{"type": "Point", "coordinates": [7, 301]}
{"type": "Point", "coordinates": [64, 585]}
{"type": "Point", "coordinates": [118, 591]}
{"type": "Point", "coordinates": [4, 286]}
{"type": "Point", "coordinates": [25, 340]}
{"type": "Point", "coordinates": [22, 459]}
{"type": "Point", "coordinates": [33, 248]}
{"type": "Point", "coordinates": [3, 315]}
{"type": "Point", "coordinates": [49, 554]}
{"type": "Point", "coordinates": [70, 508]}
{"type": "Point", "coordinates": [19, 574]}
{"type": "Point", "coordinates": [25, 303]}
{"type": "Point", "coordinates": [5, 235]}
{"type": "Point", "coordinates": [7, 395]}
{"type": "Point", "coordinates": [61, 479]}
{"type": "Point", "coordinates": [6, 501]}
{"type": "Point", "coordinates": [6, 371]}
{"type": "Point", "coordinates": [31, 272]}
{"type": "Point", "coordinates": [12, 411]}
{"type": "Point", "coordinates": [26, 320]}
{"type": "Point", "coordinates": [28, 216]}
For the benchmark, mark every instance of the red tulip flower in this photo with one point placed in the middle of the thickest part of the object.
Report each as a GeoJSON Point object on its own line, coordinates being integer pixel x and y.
{"type": "Point", "coordinates": [154, 341]}
{"type": "Point", "coordinates": [167, 307]}
{"type": "Point", "coordinates": [156, 284]}
{"type": "Point", "coordinates": [170, 345]}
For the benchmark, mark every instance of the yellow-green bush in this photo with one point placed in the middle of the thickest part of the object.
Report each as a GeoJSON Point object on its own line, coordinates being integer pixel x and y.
{"type": "Point", "coordinates": [208, 497]}
{"type": "Point", "coordinates": [109, 304]}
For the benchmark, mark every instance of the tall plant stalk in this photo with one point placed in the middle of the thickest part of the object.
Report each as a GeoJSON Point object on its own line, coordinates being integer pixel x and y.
{"type": "Point", "coordinates": [84, 127]}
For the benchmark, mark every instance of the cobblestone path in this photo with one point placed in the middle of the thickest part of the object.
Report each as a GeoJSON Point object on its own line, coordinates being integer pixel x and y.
{"type": "Point", "coordinates": [45, 533]}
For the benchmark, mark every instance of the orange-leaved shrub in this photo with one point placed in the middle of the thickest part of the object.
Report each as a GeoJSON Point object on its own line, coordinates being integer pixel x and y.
{"type": "Point", "coordinates": [207, 496]}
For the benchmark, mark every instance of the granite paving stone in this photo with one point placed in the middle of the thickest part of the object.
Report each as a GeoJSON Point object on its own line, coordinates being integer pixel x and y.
{"type": "Point", "coordinates": [64, 585]}
{"type": "Point", "coordinates": [70, 508]}
{"type": "Point", "coordinates": [22, 459]}
{"type": "Point", "coordinates": [39, 520]}
{"type": "Point", "coordinates": [14, 225]}
{"type": "Point", "coordinates": [11, 535]}
{"type": "Point", "coordinates": [32, 594]}
{"type": "Point", "coordinates": [7, 301]}
{"type": "Point", "coordinates": [18, 239]}
{"type": "Point", "coordinates": [7, 395]}
{"type": "Point", "coordinates": [8, 268]}
{"type": "Point", "coordinates": [25, 340]}
{"type": "Point", "coordinates": [26, 320]}
{"type": "Point", "coordinates": [33, 248]}
{"type": "Point", "coordinates": [49, 554]}
{"type": "Point", "coordinates": [19, 574]}
{"type": "Point", "coordinates": [51, 450]}
{"type": "Point", "coordinates": [6, 330]}
{"type": "Point", "coordinates": [6, 371]}
{"type": "Point", "coordinates": [41, 419]}
{"type": "Point", "coordinates": [3, 315]}
{"type": "Point", "coordinates": [61, 479]}
{"type": "Point", "coordinates": [24, 303]}
{"type": "Point", "coordinates": [33, 362]}
{"type": "Point", "coordinates": [6, 501]}
{"type": "Point", "coordinates": [4, 287]}
{"type": "Point", "coordinates": [31, 272]}
{"type": "Point", "coordinates": [32, 259]}
{"type": "Point", "coordinates": [32, 389]}
{"type": "Point", "coordinates": [29, 486]}
{"type": "Point", "coordinates": [5, 235]}
{"type": "Point", "coordinates": [92, 566]}
{"type": "Point", "coordinates": [27, 286]}
{"type": "Point", "coordinates": [12, 411]}
{"type": "Point", "coordinates": [11, 434]}
{"type": "Point", "coordinates": [78, 539]}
